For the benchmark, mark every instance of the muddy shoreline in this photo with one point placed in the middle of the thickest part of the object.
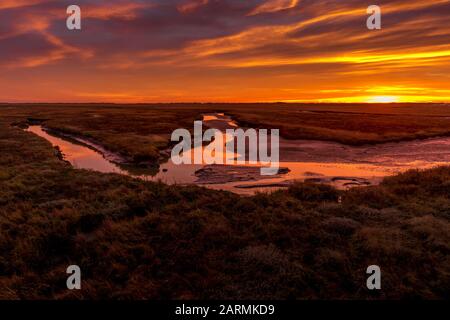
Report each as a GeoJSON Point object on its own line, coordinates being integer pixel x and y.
{"type": "Point", "coordinates": [112, 156]}
{"type": "Point", "coordinates": [220, 174]}
{"type": "Point", "coordinates": [89, 143]}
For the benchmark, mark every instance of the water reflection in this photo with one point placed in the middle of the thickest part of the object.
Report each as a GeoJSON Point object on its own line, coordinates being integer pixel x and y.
{"type": "Point", "coordinates": [318, 161]}
{"type": "Point", "coordinates": [80, 156]}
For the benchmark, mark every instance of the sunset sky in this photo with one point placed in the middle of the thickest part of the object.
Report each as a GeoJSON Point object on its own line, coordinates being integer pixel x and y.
{"type": "Point", "coordinates": [224, 51]}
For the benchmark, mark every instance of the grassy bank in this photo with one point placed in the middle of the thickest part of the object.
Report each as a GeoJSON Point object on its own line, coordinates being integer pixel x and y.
{"type": "Point", "coordinates": [134, 239]}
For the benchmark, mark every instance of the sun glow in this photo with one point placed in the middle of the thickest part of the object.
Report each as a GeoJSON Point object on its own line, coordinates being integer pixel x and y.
{"type": "Point", "coordinates": [383, 99]}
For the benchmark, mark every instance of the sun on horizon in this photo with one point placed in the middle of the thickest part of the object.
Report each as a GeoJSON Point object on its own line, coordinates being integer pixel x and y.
{"type": "Point", "coordinates": [383, 99]}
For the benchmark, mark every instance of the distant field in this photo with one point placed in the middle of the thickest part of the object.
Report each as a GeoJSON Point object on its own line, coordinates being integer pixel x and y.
{"type": "Point", "coordinates": [350, 124]}
{"type": "Point", "coordinates": [140, 132]}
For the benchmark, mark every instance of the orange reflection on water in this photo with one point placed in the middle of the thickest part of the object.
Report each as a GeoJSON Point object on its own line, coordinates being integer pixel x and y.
{"type": "Point", "coordinates": [81, 157]}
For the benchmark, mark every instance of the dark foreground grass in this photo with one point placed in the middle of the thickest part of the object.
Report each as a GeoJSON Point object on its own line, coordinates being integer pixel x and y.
{"type": "Point", "coordinates": [138, 240]}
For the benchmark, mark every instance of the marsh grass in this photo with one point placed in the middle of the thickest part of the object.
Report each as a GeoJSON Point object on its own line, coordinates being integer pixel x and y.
{"type": "Point", "coordinates": [143, 240]}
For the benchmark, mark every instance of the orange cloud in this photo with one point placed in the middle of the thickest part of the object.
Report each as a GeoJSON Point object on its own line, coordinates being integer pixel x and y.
{"type": "Point", "coordinates": [191, 5]}
{"type": "Point", "coordinates": [10, 4]}
{"type": "Point", "coordinates": [274, 6]}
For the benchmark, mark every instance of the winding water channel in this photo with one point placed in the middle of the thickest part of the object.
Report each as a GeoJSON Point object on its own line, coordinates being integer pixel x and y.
{"type": "Point", "coordinates": [307, 160]}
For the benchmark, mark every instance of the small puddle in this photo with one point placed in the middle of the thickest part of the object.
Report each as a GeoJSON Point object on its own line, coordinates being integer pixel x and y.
{"type": "Point", "coordinates": [317, 161]}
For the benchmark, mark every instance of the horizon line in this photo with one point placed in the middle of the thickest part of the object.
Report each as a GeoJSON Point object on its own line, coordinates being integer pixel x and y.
{"type": "Point", "coordinates": [256, 102]}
